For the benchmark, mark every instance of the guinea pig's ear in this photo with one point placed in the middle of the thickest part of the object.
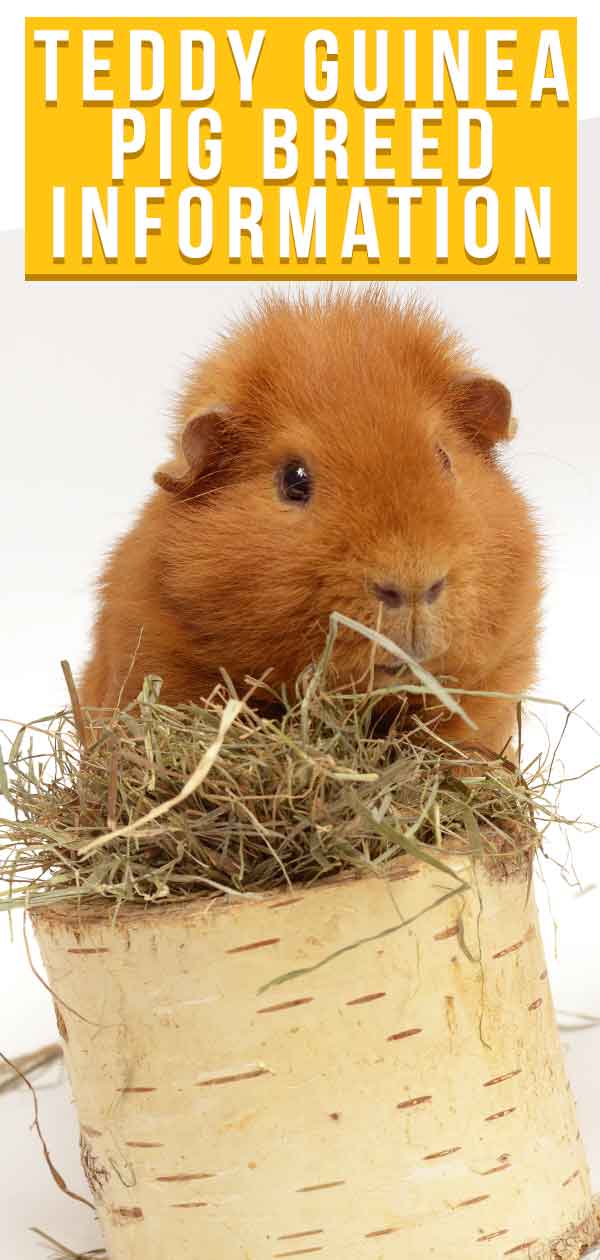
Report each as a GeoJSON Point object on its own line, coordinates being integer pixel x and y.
{"type": "Point", "coordinates": [482, 408]}
{"type": "Point", "coordinates": [197, 453]}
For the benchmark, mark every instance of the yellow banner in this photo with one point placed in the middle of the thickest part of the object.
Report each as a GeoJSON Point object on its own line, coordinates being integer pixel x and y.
{"type": "Point", "coordinates": [336, 147]}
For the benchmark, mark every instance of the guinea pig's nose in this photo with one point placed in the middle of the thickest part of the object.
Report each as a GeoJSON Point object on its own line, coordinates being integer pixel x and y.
{"type": "Point", "coordinates": [434, 591]}
{"type": "Point", "coordinates": [390, 594]}
{"type": "Point", "coordinates": [394, 596]}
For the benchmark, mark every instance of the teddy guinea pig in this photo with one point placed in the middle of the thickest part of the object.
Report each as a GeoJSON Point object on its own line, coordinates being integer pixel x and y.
{"type": "Point", "coordinates": [333, 453]}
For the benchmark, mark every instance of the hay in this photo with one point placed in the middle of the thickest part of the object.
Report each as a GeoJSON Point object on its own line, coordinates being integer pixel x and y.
{"type": "Point", "coordinates": [15, 1074]}
{"type": "Point", "coordinates": [60, 1251]}
{"type": "Point", "coordinates": [153, 803]}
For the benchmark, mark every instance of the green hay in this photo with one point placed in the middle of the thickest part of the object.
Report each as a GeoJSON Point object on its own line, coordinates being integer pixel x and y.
{"type": "Point", "coordinates": [219, 799]}
{"type": "Point", "coordinates": [61, 1252]}
{"type": "Point", "coordinates": [13, 1074]}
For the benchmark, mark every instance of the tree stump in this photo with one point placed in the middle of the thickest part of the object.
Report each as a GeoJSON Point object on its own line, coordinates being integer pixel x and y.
{"type": "Point", "coordinates": [405, 1098]}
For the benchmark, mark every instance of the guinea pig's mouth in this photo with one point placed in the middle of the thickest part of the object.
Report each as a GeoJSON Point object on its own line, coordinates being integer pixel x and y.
{"type": "Point", "coordinates": [420, 642]}
{"type": "Point", "coordinates": [421, 651]}
{"type": "Point", "coordinates": [394, 673]}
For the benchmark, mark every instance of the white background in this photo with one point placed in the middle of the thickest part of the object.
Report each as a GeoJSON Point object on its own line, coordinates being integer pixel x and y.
{"type": "Point", "coordinates": [86, 373]}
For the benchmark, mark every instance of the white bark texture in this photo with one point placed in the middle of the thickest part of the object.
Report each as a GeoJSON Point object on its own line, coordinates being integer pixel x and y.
{"type": "Point", "coordinates": [406, 1099]}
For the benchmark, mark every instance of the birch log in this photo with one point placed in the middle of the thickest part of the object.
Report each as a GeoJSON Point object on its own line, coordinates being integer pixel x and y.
{"type": "Point", "coordinates": [406, 1099]}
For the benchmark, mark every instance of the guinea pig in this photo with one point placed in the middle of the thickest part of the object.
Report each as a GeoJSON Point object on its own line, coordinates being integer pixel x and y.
{"type": "Point", "coordinates": [338, 452]}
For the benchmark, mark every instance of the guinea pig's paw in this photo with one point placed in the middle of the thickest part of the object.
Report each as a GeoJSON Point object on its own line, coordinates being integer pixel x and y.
{"type": "Point", "coordinates": [476, 761]}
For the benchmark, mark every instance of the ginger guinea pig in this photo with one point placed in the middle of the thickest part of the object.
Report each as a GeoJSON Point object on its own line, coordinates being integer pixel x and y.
{"type": "Point", "coordinates": [332, 453]}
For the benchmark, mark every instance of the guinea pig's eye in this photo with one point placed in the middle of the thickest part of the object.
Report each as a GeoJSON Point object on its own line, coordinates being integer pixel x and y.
{"type": "Point", "coordinates": [295, 482]}
{"type": "Point", "coordinates": [444, 458]}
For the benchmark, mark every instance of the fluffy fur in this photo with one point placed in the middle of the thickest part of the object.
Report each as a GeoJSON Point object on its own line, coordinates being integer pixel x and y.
{"type": "Point", "coordinates": [373, 396]}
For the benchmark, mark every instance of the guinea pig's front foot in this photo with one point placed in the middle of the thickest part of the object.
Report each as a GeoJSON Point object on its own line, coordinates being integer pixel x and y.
{"type": "Point", "coordinates": [488, 741]}
{"type": "Point", "coordinates": [469, 760]}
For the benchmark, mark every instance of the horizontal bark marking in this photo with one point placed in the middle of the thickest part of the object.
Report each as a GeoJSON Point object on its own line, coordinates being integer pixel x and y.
{"type": "Point", "coordinates": [239, 1076]}
{"type": "Point", "coordinates": [507, 1076]}
{"type": "Point", "coordinates": [498, 1168]}
{"type": "Point", "coordinates": [306, 1251]}
{"type": "Point", "coordinates": [534, 1006]}
{"type": "Point", "coordinates": [137, 1089]}
{"type": "Point", "coordinates": [488, 1237]}
{"type": "Point", "coordinates": [447, 933]}
{"type": "Point", "coordinates": [126, 1214]}
{"type": "Point", "coordinates": [284, 1006]}
{"type": "Point", "coordinates": [498, 1115]}
{"type": "Point", "coordinates": [577, 1173]}
{"type": "Point", "coordinates": [304, 1233]}
{"type": "Point", "coordinates": [241, 949]}
{"type": "Point", "coordinates": [408, 1032]}
{"type": "Point", "coordinates": [440, 1154]}
{"type": "Point", "coordinates": [145, 1145]}
{"type": "Point", "coordinates": [83, 950]}
{"type": "Point", "coordinates": [326, 1185]}
{"type": "Point", "coordinates": [414, 1102]}
{"type": "Point", "coordinates": [510, 949]}
{"type": "Point", "coordinates": [195, 1204]}
{"type": "Point", "coordinates": [469, 1202]}
{"type": "Point", "coordinates": [521, 1247]}
{"type": "Point", "coordinates": [187, 1177]}
{"type": "Point", "coordinates": [368, 997]}
{"type": "Point", "coordinates": [290, 901]}
{"type": "Point", "coordinates": [380, 1233]}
